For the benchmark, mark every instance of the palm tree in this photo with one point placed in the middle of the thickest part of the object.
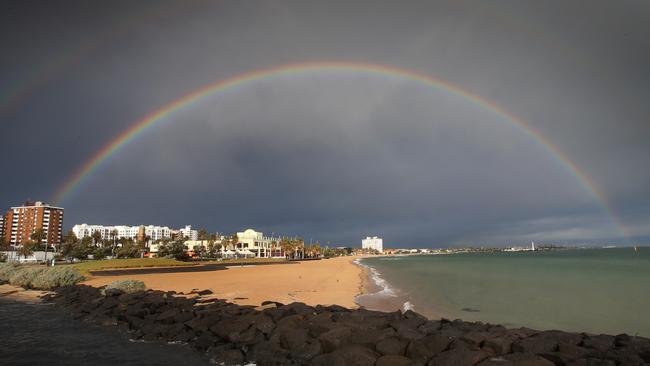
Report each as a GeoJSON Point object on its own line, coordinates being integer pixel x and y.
{"type": "Point", "coordinates": [37, 236]}
{"type": "Point", "coordinates": [114, 236]}
{"type": "Point", "coordinates": [234, 240]}
{"type": "Point", "coordinates": [274, 246]}
{"type": "Point", "coordinates": [287, 247]}
{"type": "Point", "coordinates": [97, 237]}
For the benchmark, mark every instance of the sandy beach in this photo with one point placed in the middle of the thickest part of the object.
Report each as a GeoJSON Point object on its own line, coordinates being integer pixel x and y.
{"type": "Point", "coordinates": [328, 281]}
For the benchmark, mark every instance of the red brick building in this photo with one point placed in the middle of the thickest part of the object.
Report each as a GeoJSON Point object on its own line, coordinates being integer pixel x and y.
{"type": "Point", "coordinates": [20, 222]}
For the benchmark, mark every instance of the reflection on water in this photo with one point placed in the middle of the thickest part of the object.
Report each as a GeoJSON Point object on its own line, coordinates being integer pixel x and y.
{"type": "Point", "coordinates": [33, 334]}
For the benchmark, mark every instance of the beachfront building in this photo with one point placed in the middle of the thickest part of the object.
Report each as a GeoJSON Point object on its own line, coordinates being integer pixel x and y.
{"type": "Point", "coordinates": [2, 227]}
{"type": "Point", "coordinates": [20, 222]}
{"type": "Point", "coordinates": [257, 244]}
{"type": "Point", "coordinates": [136, 233]}
{"type": "Point", "coordinates": [373, 243]}
{"type": "Point", "coordinates": [188, 233]}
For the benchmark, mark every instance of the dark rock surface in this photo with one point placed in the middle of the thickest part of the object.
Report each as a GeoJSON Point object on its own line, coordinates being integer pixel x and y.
{"type": "Point", "coordinates": [299, 334]}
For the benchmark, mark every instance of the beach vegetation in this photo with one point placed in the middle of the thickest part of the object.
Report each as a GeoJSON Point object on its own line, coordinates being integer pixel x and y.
{"type": "Point", "coordinates": [203, 234]}
{"type": "Point", "coordinates": [128, 250]}
{"type": "Point", "coordinates": [37, 277]}
{"type": "Point", "coordinates": [175, 249]}
{"type": "Point", "coordinates": [56, 277]}
{"type": "Point", "coordinates": [127, 286]}
{"type": "Point", "coordinates": [201, 251]}
{"type": "Point", "coordinates": [335, 252]}
{"type": "Point", "coordinates": [7, 270]}
{"type": "Point", "coordinates": [25, 275]}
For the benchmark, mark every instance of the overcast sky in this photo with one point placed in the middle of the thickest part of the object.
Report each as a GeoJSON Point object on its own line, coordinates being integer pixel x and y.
{"type": "Point", "coordinates": [335, 155]}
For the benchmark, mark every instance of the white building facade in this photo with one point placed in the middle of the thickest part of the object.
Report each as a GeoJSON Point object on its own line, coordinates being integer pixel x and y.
{"type": "Point", "coordinates": [188, 233]}
{"type": "Point", "coordinates": [373, 243]}
{"type": "Point", "coordinates": [122, 231]}
{"type": "Point", "coordinates": [259, 245]}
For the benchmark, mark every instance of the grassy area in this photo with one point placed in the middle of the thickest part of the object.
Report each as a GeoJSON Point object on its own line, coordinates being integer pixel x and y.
{"type": "Point", "coordinates": [89, 266]}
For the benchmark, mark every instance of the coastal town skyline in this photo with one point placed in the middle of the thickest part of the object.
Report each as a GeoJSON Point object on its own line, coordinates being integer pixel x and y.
{"type": "Point", "coordinates": [513, 123]}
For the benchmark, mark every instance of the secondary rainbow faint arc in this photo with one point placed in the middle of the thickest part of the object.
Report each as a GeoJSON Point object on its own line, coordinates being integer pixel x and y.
{"type": "Point", "coordinates": [149, 120]}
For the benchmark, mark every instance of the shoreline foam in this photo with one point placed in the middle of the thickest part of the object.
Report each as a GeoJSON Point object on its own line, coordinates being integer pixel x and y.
{"type": "Point", "coordinates": [378, 294]}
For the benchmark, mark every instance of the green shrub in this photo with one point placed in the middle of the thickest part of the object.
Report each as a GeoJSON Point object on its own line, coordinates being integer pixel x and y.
{"type": "Point", "coordinates": [56, 277]}
{"type": "Point", "coordinates": [7, 270]}
{"type": "Point", "coordinates": [25, 275]}
{"type": "Point", "coordinates": [127, 286]}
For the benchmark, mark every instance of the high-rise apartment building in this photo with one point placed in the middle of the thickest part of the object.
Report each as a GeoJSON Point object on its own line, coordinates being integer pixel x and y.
{"type": "Point", "coordinates": [20, 222]}
{"type": "Point", "coordinates": [2, 226]}
{"type": "Point", "coordinates": [373, 243]}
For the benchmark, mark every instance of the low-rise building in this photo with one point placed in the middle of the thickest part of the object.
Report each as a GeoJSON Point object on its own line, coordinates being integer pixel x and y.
{"type": "Point", "coordinates": [259, 245]}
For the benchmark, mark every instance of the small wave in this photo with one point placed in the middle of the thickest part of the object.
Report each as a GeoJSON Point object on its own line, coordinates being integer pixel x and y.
{"type": "Point", "coordinates": [470, 310]}
{"type": "Point", "coordinates": [408, 306]}
{"type": "Point", "coordinates": [386, 290]}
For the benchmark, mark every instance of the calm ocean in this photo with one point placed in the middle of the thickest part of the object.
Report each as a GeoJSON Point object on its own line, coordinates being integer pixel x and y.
{"type": "Point", "coordinates": [590, 290]}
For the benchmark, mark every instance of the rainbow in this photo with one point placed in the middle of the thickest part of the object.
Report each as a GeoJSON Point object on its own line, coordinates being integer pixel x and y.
{"type": "Point", "coordinates": [148, 121]}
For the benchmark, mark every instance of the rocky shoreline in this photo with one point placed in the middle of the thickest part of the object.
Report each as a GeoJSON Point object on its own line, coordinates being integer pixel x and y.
{"type": "Point", "coordinates": [298, 334]}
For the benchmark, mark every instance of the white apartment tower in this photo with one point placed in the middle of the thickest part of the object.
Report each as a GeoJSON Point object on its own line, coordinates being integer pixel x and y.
{"type": "Point", "coordinates": [373, 243]}
{"type": "Point", "coordinates": [188, 233]}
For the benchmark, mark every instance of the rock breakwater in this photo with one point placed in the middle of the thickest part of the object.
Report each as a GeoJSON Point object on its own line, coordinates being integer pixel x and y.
{"type": "Point", "coordinates": [298, 334]}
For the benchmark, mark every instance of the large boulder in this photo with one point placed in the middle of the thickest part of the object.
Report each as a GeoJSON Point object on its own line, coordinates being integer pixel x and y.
{"type": "Point", "coordinates": [267, 353]}
{"type": "Point", "coordinates": [499, 346]}
{"type": "Point", "coordinates": [600, 343]}
{"type": "Point", "coordinates": [393, 360]}
{"type": "Point", "coordinates": [229, 329]}
{"type": "Point", "coordinates": [350, 355]}
{"type": "Point", "coordinates": [423, 349]}
{"type": "Point", "coordinates": [458, 357]}
{"type": "Point", "coordinates": [516, 359]}
{"type": "Point", "coordinates": [391, 347]}
{"type": "Point", "coordinates": [293, 338]}
{"type": "Point", "coordinates": [333, 339]}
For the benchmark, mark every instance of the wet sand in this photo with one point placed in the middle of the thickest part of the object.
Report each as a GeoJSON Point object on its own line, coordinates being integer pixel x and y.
{"type": "Point", "coordinates": [18, 294]}
{"type": "Point", "coordinates": [327, 281]}
{"type": "Point", "coordinates": [379, 296]}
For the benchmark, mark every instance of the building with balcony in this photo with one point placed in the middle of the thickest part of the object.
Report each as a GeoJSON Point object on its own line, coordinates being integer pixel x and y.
{"type": "Point", "coordinates": [259, 245]}
{"type": "Point", "coordinates": [188, 233]}
{"type": "Point", "coordinates": [20, 222]}
{"type": "Point", "coordinates": [135, 233]}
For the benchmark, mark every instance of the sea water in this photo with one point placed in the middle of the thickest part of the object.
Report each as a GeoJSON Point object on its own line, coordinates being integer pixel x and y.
{"type": "Point", "coordinates": [585, 290]}
{"type": "Point", "coordinates": [41, 334]}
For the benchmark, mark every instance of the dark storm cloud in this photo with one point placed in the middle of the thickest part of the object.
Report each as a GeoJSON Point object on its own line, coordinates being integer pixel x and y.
{"type": "Point", "coordinates": [338, 156]}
